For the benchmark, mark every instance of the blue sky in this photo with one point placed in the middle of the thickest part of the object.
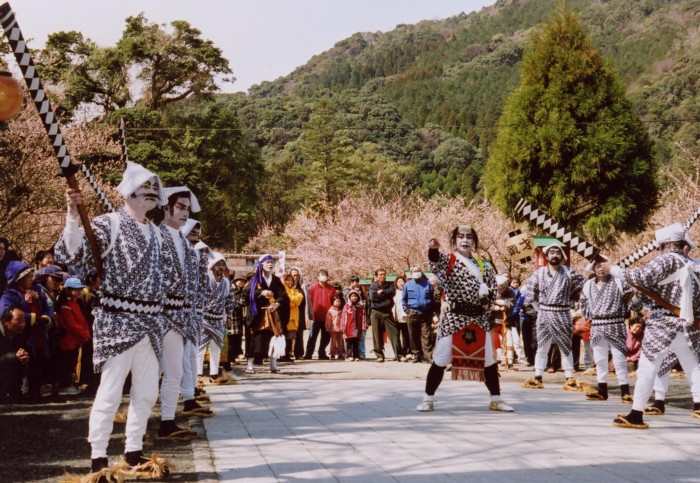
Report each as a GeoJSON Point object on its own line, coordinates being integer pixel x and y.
{"type": "Point", "coordinates": [262, 39]}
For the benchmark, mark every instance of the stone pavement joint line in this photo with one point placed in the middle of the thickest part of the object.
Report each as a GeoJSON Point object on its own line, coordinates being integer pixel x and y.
{"type": "Point", "coordinates": [276, 430]}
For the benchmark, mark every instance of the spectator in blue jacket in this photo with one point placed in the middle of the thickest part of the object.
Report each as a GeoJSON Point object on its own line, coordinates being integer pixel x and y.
{"type": "Point", "coordinates": [22, 293]}
{"type": "Point", "coordinates": [417, 302]}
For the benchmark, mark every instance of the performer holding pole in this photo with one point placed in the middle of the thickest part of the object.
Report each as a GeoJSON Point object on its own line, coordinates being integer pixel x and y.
{"type": "Point", "coordinates": [469, 287]}
{"type": "Point", "coordinates": [128, 327]}
{"type": "Point", "coordinates": [671, 281]}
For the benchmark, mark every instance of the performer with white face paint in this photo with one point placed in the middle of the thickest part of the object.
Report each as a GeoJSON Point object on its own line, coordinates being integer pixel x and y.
{"type": "Point", "coordinates": [469, 286]}
{"type": "Point", "coordinates": [671, 278]}
{"type": "Point", "coordinates": [550, 289]}
{"type": "Point", "coordinates": [128, 327]}
{"type": "Point", "coordinates": [218, 307]}
{"type": "Point", "coordinates": [181, 328]}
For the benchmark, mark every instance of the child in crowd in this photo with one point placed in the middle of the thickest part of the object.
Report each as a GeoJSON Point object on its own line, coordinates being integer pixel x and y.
{"type": "Point", "coordinates": [76, 332]}
{"type": "Point", "coordinates": [334, 328]}
{"type": "Point", "coordinates": [353, 324]}
{"type": "Point", "coordinates": [635, 334]}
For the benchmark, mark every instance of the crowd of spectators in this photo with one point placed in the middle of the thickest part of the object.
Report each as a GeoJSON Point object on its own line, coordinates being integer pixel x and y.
{"type": "Point", "coordinates": [46, 347]}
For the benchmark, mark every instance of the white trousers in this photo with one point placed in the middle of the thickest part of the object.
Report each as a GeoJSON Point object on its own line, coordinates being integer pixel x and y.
{"type": "Point", "coordinates": [142, 362]}
{"type": "Point", "coordinates": [567, 362]}
{"type": "Point", "coordinates": [214, 358]}
{"type": "Point", "coordinates": [171, 365]}
{"type": "Point", "coordinates": [661, 384]}
{"type": "Point", "coordinates": [514, 345]}
{"type": "Point", "coordinates": [600, 355]}
{"type": "Point", "coordinates": [442, 356]}
{"type": "Point", "coordinates": [647, 371]}
{"type": "Point", "coordinates": [189, 377]}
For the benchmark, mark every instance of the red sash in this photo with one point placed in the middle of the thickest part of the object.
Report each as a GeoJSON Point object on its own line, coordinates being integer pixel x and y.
{"type": "Point", "coordinates": [469, 353]}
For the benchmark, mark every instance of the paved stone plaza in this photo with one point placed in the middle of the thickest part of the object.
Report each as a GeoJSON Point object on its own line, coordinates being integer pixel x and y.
{"type": "Point", "coordinates": [340, 425]}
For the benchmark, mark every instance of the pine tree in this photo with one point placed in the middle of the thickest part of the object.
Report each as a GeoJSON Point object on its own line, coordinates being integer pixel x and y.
{"type": "Point", "coordinates": [569, 140]}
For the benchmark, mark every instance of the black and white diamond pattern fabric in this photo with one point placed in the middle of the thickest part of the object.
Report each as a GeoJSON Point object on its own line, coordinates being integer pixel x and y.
{"type": "Point", "coordinates": [41, 100]}
{"type": "Point", "coordinates": [215, 312]}
{"type": "Point", "coordinates": [561, 233]}
{"type": "Point", "coordinates": [553, 294]}
{"type": "Point", "coordinates": [603, 304]}
{"type": "Point", "coordinates": [461, 288]}
{"type": "Point", "coordinates": [133, 271]}
{"type": "Point", "coordinates": [642, 252]}
{"type": "Point", "coordinates": [662, 327]}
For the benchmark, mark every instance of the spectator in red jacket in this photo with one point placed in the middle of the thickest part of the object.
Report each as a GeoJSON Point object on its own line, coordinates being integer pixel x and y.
{"type": "Point", "coordinates": [76, 332]}
{"type": "Point", "coordinates": [320, 300]}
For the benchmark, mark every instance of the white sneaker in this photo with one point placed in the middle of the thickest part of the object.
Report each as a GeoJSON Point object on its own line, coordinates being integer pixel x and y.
{"type": "Point", "coordinates": [426, 405]}
{"type": "Point", "coordinates": [69, 391]}
{"type": "Point", "coordinates": [500, 406]}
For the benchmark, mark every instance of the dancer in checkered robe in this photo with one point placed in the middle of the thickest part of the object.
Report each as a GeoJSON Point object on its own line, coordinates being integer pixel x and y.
{"type": "Point", "coordinates": [181, 328]}
{"type": "Point", "coordinates": [672, 276]}
{"type": "Point", "coordinates": [604, 302]}
{"type": "Point", "coordinates": [469, 286]}
{"type": "Point", "coordinates": [550, 290]}
{"type": "Point", "coordinates": [219, 306]}
{"type": "Point", "coordinates": [128, 326]}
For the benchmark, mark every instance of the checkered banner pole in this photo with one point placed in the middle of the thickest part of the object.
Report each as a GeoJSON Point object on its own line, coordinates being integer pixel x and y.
{"type": "Point", "coordinates": [41, 101]}
{"type": "Point", "coordinates": [548, 225]}
{"type": "Point", "coordinates": [645, 250]}
{"type": "Point", "coordinates": [122, 140]}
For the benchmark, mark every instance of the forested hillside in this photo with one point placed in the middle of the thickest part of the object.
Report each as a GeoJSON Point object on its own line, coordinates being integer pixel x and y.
{"type": "Point", "coordinates": [426, 98]}
{"type": "Point", "coordinates": [412, 111]}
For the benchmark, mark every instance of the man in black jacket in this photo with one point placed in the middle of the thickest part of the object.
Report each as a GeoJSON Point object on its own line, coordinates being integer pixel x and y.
{"type": "Point", "coordinates": [381, 297]}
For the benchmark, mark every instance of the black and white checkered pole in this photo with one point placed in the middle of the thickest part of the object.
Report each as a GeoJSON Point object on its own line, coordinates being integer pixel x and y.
{"type": "Point", "coordinates": [561, 233]}
{"type": "Point", "coordinates": [122, 141]}
{"type": "Point", "coordinates": [41, 101]}
{"type": "Point", "coordinates": [645, 250]}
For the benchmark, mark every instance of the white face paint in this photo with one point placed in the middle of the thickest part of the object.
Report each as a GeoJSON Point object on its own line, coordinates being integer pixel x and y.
{"type": "Point", "coordinates": [180, 213]}
{"type": "Point", "coordinates": [146, 196]}
{"type": "Point", "coordinates": [267, 265]}
{"type": "Point", "coordinates": [465, 242]}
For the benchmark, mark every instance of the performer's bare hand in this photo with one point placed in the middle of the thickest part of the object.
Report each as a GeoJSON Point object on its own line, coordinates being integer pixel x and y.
{"type": "Point", "coordinates": [266, 293]}
{"type": "Point", "coordinates": [73, 198]}
{"type": "Point", "coordinates": [433, 243]}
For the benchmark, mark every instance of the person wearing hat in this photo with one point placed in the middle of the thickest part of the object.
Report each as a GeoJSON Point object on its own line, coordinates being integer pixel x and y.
{"type": "Point", "coordinates": [239, 301]}
{"type": "Point", "coordinates": [469, 286]}
{"type": "Point", "coordinates": [23, 293]}
{"type": "Point", "coordinates": [182, 328]}
{"type": "Point", "coordinates": [604, 303]}
{"type": "Point", "coordinates": [128, 326]}
{"type": "Point", "coordinates": [671, 281]}
{"type": "Point", "coordinates": [417, 302]}
{"type": "Point", "coordinates": [550, 290]}
{"type": "Point", "coordinates": [266, 293]}
{"type": "Point", "coordinates": [76, 332]}
{"type": "Point", "coordinates": [217, 309]}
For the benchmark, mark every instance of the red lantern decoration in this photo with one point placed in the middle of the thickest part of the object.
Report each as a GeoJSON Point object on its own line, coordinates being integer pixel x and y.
{"type": "Point", "coordinates": [10, 96]}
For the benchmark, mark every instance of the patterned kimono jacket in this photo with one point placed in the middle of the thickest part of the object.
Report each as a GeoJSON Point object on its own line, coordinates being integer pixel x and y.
{"type": "Point", "coordinates": [238, 300]}
{"type": "Point", "coordinates": [181, 284]}
{"type": "Point", "coordinates": [132, 282]}
{"type": "Point", "coordinates": [604, 305]}
{"type": "Point", "coordinates": [202, 290]}
{"type": "Point", "coordinates": [662, 326]}
{"type": "Point", "coordinates": [553, 294]}
{"type": "Point", "coordinates": [461, 305]}
{"type": "Point", "coordinates": [218, 307]}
